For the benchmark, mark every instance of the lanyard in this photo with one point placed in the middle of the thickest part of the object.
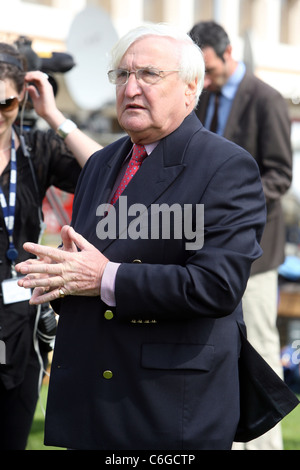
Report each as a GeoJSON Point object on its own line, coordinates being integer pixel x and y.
{"type": "Point", "coordinates": [9, 209]}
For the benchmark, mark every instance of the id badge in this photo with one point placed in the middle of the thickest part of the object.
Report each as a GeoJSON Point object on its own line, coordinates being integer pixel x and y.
{"type": "Point", "coordinates": [13, 293]}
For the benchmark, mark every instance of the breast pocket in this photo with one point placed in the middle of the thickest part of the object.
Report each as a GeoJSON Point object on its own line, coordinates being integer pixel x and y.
{"type": "Point", "coordinates": [178, 356]}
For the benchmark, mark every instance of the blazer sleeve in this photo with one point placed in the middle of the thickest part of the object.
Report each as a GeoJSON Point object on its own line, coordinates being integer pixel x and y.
{"type": "Point", "coordinates": [211, 280]}
{"type": "Point", "coordinates": [274, 145]}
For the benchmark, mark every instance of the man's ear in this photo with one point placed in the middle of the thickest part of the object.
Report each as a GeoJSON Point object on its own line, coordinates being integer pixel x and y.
{"type": "Point", "coordinates": [190, 91]}
{"type": "Point", "coordinates": [228, 52]}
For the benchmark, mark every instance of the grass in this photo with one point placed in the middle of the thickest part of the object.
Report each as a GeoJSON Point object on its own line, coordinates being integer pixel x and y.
{"type": "Point", "coordinates": [36, 438]}
{"type": "Point", "coordinates": [290, 427]}
{"type": "Point", "coordinates": [291, 430]}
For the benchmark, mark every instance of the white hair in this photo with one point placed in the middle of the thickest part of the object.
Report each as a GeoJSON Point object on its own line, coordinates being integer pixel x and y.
{"type": "Point", "coordinates": [191, 62]}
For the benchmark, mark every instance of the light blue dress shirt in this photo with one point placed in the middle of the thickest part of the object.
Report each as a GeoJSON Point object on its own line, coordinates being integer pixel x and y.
{"type": "Point", "coordinates": [228, 92]}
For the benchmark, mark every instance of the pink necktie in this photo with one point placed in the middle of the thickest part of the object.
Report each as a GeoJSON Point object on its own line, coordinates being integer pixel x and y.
{"type": "Point", "coordinates": [138, 155]}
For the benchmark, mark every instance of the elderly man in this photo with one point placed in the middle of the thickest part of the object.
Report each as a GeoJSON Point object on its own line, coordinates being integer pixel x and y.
{"type": "Point", "coordinates": [151, 329]}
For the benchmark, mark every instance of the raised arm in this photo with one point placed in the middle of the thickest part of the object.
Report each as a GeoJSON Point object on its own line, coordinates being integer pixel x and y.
{"type": "Point", "coordinates": [42, 96]}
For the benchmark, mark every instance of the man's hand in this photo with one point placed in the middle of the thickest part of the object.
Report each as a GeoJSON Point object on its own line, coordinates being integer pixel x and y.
{"type": "Point", "coordinates": [75, 269]}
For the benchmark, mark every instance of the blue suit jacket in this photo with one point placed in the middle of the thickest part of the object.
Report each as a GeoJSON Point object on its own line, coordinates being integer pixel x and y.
{"type": "Point", "coordinates": [161, 370]}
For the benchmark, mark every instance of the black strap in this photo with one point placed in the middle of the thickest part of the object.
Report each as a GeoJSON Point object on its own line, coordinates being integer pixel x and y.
{"type": "Point", "coordinates": [9, 59]}
{"type": "Point", "coordinates": [27, 154]}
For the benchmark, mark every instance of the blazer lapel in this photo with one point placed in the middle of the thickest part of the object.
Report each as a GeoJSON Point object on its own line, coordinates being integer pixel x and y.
{"type": "Point", "coordinates": [162, 167]}
{"type": "Point", "coordinates": [239, 105]}
{"type": "Point", "coordinates": [112, 170]}
{"type": "Point", "coordinates": [158, 171]}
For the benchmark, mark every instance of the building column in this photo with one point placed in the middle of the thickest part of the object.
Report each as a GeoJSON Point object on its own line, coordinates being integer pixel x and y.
{"type": "Point", "coordinates": [227, 13]}
{"type": "Point", "coordinates": [179, 12]}
{"type": "Point", "coordinates": [126, 14]}
{"type": "Point", "coordinates": [266, 18]}
{"type": "Point", "coordinates": [72, 5]}
{"type": "Point", "coordinates": [293, 21]}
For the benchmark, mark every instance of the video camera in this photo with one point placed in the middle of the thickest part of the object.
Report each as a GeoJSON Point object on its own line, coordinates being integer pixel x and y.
{"type": "Point", "coordinates": [49, 63]}
{"type": "Point", "coordinates": [52, 62]}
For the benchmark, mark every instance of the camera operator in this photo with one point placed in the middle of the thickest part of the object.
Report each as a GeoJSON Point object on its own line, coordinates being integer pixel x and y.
{"type": "Point", "coordinates": [30, 162]}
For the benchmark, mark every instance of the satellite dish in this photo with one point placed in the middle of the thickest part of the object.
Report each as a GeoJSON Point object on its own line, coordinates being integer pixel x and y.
{"type": "Point", "coordinates": [90, 40]}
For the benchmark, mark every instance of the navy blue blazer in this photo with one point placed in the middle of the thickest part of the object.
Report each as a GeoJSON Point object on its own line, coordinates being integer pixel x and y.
{"type": "Point", "coordinates": [161, 369]}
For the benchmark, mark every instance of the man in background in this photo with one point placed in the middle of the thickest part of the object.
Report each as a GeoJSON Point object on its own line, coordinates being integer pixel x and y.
{"type": "Point", "coordinates": [247, 111]}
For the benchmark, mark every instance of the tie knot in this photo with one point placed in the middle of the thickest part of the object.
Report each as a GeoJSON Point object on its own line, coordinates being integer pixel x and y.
{"type": "Point", "coordinates": [139, 152]}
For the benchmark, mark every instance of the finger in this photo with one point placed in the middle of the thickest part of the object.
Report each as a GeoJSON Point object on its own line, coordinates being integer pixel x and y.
{"type": "Point", "coordinates": [39, 296]}
{"type": "Point", "coordinates": [41, 268]}
{"type": "Point", "coordinates": [21, 267]}
{"type": "Point", "coordinates": [22, 280]}
{"type": "Point", "coordinates": [36, 77]}
{"type": "Point", "coordinates": [33, 75]}
{"type": "Point", "coordinates": [32, 261]}
{"type": "Point", "coordinates": [68, 243]}
{"type": "Point", "coordinates": [49, 283]}
{"type": "Point", "coordinates": [33, 93]}
{"type": "Point", "coordinates": [41, 251]}
{"type": "Point", "coordinates": [79, 240]}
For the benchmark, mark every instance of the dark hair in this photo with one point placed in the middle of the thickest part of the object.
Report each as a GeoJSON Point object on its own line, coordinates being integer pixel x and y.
{"type": "Point", "coordinates": [210, 34]}
{"type": "Point", "coordinates": [15, 67]}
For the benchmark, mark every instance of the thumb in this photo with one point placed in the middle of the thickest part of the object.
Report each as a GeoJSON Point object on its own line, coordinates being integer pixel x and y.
{"type": "Point", "coordinates": [74, 240]}
{"type": "Point", "coordinates": [68, 244]}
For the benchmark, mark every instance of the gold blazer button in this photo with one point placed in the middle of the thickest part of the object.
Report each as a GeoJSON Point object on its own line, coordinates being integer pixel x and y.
{"type": "Point", "coordinates": [107, 374]}
{"type": "Point", "coordinates": [108, 315]}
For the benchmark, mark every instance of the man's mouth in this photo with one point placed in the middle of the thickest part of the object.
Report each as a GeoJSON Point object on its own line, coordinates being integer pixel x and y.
{"type": "Point", "coordinates": [133, 106]}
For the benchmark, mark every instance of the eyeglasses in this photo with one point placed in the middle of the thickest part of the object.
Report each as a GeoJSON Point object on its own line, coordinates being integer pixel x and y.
{"type": "Point", "coordinates": [150, 76]}
{"type": "Point", "coordinates": [8, 104]}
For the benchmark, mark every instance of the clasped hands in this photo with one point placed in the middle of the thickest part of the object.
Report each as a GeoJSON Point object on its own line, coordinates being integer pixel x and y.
{"type": "Point", "coordinates": [74, 269]}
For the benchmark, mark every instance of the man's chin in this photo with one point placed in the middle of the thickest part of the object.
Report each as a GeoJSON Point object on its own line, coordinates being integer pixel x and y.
{"type": "Point", "coordinates": [133, 124]}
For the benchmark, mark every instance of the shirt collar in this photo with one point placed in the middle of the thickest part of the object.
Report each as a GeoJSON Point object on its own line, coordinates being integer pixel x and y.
{"type": "Point", "coordinates": [150, 147]}
{"type": "Point", "coordinates": [230, 87]}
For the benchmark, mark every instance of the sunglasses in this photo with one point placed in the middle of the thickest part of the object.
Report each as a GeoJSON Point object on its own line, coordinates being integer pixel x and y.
{"type": "Point", "coordinates": [9, 103]}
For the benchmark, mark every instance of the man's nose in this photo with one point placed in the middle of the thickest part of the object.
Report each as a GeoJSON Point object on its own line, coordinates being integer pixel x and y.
{"type": "Point", "coordinates": [133, 86]}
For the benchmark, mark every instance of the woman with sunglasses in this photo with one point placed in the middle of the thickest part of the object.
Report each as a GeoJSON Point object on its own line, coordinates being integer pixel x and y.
{"type": "Point", "coordinates": [30, 162]}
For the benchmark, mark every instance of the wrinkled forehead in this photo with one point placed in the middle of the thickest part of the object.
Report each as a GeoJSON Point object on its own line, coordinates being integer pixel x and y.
{"type": "Point", "coordinates": [155, 51]}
